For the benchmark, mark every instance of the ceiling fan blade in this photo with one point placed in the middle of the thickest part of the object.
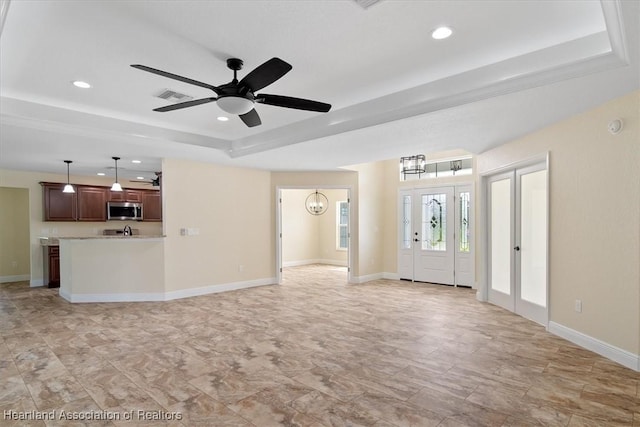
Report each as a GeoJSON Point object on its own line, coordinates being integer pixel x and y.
{"type": "Point", "coordinates": [176, 77]}
{"type": "Point", "coordinates": [265, 74]}
{"type": "Point", "coordinates": [184, 104]}
{"type": "Point", "coordinates": [290, 102]}
{"type": "Point", "coordinates": [251, 118]}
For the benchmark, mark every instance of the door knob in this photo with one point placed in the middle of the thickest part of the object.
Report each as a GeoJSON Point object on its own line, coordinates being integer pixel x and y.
{"type": "Point", "coordinates": [517, 248]}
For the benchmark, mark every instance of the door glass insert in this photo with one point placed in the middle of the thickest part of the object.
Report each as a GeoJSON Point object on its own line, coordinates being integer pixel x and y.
{"type": "Point", "coordinates": [500, 237]}
{"type": "Point", "coordinates": [406, 222]}
{"type": "Point", "coordinates": [434, 222]}
{"type": "Point", "coordinates": [533, 237]}
{"type": "Point", "coordinates": [463, 232]}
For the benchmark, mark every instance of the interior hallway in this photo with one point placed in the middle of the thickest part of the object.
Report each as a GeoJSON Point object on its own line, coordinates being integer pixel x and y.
{"type": "Point", "coordinates": [312, 352]}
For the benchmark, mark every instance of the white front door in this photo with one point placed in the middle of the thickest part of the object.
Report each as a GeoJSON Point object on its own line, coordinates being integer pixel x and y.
{"type": "Point", "coordinates": [435, 236]}
{"type": "Point", "coordinates": [517, 237]}
{"type": "Point", "coordinates": [434, 253]}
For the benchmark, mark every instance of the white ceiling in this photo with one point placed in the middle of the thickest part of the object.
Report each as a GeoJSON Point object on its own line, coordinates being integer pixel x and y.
{"type": "Point", "coordinates": [510, 68]}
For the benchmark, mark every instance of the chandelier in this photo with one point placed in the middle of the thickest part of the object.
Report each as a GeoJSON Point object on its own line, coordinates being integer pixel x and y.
{"type": "Point", "coordinates": [316, 203]}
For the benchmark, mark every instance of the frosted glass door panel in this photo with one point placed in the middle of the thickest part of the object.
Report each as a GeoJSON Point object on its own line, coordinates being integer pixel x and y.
{"type": "Point", "coordinates": [533, 237]}
{"type": "Point", "coordinates": [406, 222]}
{"type": "Point", "coordinates": [500, 237]}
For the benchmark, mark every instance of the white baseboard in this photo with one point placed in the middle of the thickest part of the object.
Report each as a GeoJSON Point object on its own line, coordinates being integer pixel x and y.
{"type": "Point", "coordinates": [367, 278]}
{"type": "Point", "coordinates": [34, 283]}
{"type": "Point", "coordinates": [18, 278]}
{"type": "Point", "coordinates": [314, 261]}
{"type": "Point", "coordinates": [212, 289]}
{"type": "Point", "coordinates": [623, 357]}
{"type": "Point", "coordinates": [391, 276]}
{"type": "Point", "coordinates": [164, 296]}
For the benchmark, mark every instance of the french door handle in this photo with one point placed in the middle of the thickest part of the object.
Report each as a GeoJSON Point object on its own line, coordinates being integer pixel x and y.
{"type": "Point", "coordinates": [517, 248]}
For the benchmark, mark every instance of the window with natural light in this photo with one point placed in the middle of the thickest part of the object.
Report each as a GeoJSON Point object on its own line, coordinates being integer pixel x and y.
{"type": "Point", "coordinates": [342, 225]}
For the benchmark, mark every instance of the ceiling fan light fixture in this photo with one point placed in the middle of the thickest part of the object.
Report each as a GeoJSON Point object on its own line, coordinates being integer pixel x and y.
{"type": "Point", "coordinates": [223, 118]}
{"type": "Point", "coordinates": [441, 33]}
{"type": "Point", "coordinates": [235, 104]}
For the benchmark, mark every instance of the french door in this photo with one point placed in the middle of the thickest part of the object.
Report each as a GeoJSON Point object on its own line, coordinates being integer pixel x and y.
{"type": "Point", "coordinates": [517, 241]}
{"type": "Point", "coordinates": [435, 235]}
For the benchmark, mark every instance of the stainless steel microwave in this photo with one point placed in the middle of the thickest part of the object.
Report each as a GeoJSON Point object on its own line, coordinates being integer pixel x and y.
{"type": "Point", "coordinates": [124, 211]}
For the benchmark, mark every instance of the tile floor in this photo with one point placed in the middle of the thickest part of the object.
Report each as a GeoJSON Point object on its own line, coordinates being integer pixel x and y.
{"type": "Point", "coordinates": [312, 352]}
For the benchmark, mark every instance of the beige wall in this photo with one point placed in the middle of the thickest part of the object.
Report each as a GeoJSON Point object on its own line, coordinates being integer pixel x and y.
{"type": "Point", "coordinates": [308, 238]}
{"type": "Point", "coordinates": [14, 233]}
{"type": "Point", "coordinates": [300, 230]}
{"type": "Point", "coordinates": [594, 218]}
{"type": "Point", "coordinates": [370, 218]}
{"type": "Point", "coordinates": [37, 227]}
{"type": "Point", "coordinates": [234, 214]}
{"type": "Point", "coordinates": [95, 269]}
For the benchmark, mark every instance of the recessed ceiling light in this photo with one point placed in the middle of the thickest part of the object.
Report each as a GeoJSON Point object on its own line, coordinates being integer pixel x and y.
{"type": "Point", "coordinates": [223, 119]}
{"type": "Point", "coordinates": [441, 33]}
{"type": "Point", "coordinates": [100, 174]}
{"type": "Point", "coordinates": [81, 84]}
{"type": "Point", "coordinates": [140, 177]}
{"type": "Point", "coordinates": [136, 161]}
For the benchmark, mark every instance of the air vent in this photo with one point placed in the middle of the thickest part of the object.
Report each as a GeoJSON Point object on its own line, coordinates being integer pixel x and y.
{"type": "Point", "coordinates": [366, 4]}
{"type": "Point", "coordinates": [173, 96]}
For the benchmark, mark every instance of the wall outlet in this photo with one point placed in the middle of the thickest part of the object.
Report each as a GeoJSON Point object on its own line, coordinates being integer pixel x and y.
{"type": "Point", "coordinates": [578, 306]}
{"type": "Point", "coordinates": [183, 231]}
{"type": "Point", "coordinates": [240, 268]}
{"type": "Point", "coordinates": [14, 264]}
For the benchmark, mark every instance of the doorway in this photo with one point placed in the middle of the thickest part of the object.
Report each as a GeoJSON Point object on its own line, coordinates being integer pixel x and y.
{"type": "Point", "coordinates": [436, 237]}
{"type": "Point", "coordinates": [517, 241]}
{"type": "Point", "coordinates": [306, 237]}
{"type": "Point", "coordinates": [15, 240]}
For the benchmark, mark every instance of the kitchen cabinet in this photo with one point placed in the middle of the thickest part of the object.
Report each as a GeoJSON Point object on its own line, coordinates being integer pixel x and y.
{"type": "Point", "coordinates": [151, 205]}
{"type": "Point", "coordinates": [58, 206]}
{"type": "Point", "coordinates": [89, 202]}
{"type": "Point", "coordinates": [134, 196]}
{"type": "Point", "coordinates": [92, 203]}
{"type": "Point", "coordinates": [52, 273]}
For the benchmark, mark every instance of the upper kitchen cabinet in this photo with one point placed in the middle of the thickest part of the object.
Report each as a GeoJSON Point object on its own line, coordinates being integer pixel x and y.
{"type": "Point", "coordinates": [127, 195]}
{"type": "Point", "coordinates": [92, 203]}
{"type": "Point", "coordinates": [58, 206]}
{"type": "Point", "coordinates": [151, 205]}
{"type": "Point", "coordinates": [89, 202]}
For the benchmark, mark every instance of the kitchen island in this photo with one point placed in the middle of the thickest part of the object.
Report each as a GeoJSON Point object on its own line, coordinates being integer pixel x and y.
{"type": "Point", "coordinates": [112, 268]}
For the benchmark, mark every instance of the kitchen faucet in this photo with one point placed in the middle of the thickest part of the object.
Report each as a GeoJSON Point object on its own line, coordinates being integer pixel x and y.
{"type": "Point", "coordinates": [127, 230]}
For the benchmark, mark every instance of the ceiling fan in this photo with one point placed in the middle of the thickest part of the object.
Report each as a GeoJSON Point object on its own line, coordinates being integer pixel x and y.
{"type": "Point", "coordinates": [239, 97]}
{"type": "Point", "coordinates": [155, 181]}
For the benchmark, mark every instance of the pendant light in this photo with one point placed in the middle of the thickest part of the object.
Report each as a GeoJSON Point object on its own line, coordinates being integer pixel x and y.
{"type": "Point", "coordinates": [316, 203]}
{"type": "Point", "coordinates": [68, 188]}
{"type": "Point", "coordinates": [116, 185]}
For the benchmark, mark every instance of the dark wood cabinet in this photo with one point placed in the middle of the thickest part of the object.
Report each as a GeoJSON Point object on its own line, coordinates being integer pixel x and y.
{"type": "Point", "coordinates": [151, 205]}
{"type": "Point", "coordinates": [58, 206]}
{"type": "Point", "coordinates": [92, 203]}
{"type": "Point", "coordinates": [134, 196]}
{"type": "Point", "coordinates": [54, 266]}
{"type": "Point", "coordinates": [126, 195]}
{"type": "Point", "coordinates": [89, 202]}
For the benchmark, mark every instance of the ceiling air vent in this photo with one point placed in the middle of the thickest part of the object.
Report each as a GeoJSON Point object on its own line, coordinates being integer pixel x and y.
{"type": "Point", "coordinates": [173, 96]}
{"type": "Point", "coordinates": [366, 4]}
